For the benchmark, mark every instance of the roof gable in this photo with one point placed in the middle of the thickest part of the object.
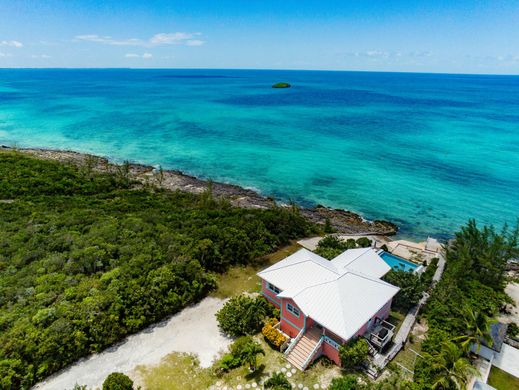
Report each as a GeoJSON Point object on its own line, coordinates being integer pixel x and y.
{"type": "Point", "coordinates": [363, 260]}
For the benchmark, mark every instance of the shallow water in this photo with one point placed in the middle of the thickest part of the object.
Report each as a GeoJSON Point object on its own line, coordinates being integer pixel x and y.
{"type": "Point", "coordinates": [423, 150]}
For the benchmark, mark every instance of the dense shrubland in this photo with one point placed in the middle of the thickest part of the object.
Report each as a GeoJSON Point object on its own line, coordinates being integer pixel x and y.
{"type": "Point", "coordinates": [88, 258]}
{"type": "Point", "coordinates": [463, 304]}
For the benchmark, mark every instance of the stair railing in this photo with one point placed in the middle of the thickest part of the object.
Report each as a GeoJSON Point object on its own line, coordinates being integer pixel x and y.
{"type": "Point", "coordinates": [296, 340]}
{"type": "Point", "coordinates": [310, 357]}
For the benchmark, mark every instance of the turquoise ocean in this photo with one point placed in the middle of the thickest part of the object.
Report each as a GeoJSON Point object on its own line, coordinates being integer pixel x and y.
{"type": "Point", "coordinates": [426, 151]}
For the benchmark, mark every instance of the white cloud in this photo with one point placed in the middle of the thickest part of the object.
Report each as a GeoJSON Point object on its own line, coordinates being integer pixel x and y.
{"type": "Point", "coordinates": [170, 39]}
{"type": "Point", "coordinates": [11, 43]}
{"type": "Point", "coordinates": [194, 42]}
{"type": "Point", "coordinates": [3, 55]}
{"type": "Point", "coordinates": [109, 40]}
{"type": "Point", "coordinates": [160, 39]}
{"type": "Point", "coordinates": [40, 56]}
{"type": "Point", "coordinates": [134, 55]}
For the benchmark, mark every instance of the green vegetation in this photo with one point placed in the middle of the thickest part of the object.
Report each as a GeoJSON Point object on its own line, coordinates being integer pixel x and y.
{"type": "Point", "coordinates": [411, 288]}
{"type": "Point", "coordinates": [243, 278]}
{"type": "Point", "coordinates": [88, 258]}
{"type": "Point", "coordinates": [513, 330]}
{"type": "Point", "coordinates": [278, 381]}
{"type": "Point", "coordinates": [332, 246]}
{"type": "Point", "coordinates": [354, 353]}
{"type": "Point", "coordinates": [244, 350]}
{"type": "Point", "coordinates": [243, 315]}
{"type": "Point", "coordinates": [462, 304]}
{"type": "Point", "coordinates": [502, 380]}
{"type": "Point", "coordinates": [354, 382]}
{"type": "Point", "coordinates": [117, 381]}
{"type": "Point", "coordinates": [281, 85]}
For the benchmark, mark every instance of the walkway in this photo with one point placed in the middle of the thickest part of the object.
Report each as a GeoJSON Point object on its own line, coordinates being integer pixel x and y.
{"type": "Point", "coordinates": [193, 330]}
{"type": "Point", "coordinates": [508, 360]}
{"type": "Point", "coordinates": [381, 360]}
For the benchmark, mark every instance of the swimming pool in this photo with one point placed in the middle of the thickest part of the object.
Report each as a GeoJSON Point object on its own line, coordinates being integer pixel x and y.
{"type": "Point", "coordinates": [398, 263]}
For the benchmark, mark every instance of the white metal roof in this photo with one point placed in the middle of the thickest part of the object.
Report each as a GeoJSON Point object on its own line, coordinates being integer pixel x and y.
{"type": "Point", "coordinates": [299, 270]}
{"type": "Point", "coordinates": [344, 305]}
{"type": "Point", "coordinates": [363, 260]}
{"type": "Point", "coordinates": [342, 294]}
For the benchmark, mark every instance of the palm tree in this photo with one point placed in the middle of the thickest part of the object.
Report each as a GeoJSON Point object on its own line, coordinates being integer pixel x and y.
{"type": "Point", "coordinates": [250, 353]}
{"type": "Point", "coordinates": [478, 329]}
{"type": "Point", "coordinates": [453, 370]}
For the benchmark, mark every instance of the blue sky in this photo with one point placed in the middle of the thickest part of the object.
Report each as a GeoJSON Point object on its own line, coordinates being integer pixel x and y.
{"type": "Point", "coordinates": [418, 36]}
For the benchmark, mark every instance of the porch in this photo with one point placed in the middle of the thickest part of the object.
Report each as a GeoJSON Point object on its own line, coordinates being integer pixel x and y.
{"type": "Point", "coordinates": [381, 334]}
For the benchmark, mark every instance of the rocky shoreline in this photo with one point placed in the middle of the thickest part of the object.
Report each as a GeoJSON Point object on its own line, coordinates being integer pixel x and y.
{"type": "Point", "coordinates": [343, 221]}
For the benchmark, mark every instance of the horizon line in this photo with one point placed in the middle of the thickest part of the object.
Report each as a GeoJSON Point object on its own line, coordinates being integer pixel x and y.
{"type": "Point", "coordinates": [258, 69]}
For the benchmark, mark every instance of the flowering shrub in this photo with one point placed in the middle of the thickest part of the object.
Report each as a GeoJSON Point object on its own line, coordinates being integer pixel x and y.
{"type": "Point", "coordinates": [273, 336]}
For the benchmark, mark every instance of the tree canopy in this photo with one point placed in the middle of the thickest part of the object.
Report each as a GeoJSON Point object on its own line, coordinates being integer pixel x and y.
{"type": "Point", "coordinates": [87, 258]}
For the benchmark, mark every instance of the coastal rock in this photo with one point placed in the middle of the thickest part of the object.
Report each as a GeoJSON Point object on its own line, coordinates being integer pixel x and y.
{"type": "Point", "coordinates": [343, 221]}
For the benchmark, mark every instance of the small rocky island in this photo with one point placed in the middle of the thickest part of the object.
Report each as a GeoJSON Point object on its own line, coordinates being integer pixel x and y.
{"type": "Point", "coordinates": [281, 85]}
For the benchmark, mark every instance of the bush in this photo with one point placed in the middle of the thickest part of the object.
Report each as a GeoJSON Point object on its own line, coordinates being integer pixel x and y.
{"type": "Point", "coordinates": [243, 350]}
{"type": "Point", "coordinates": [513, 330]}
{"type": "Point", "coordinates": [272, 335]}
{"type": "Point", "coordinates": [348, 382]}
{"type": "Point", "coordinates": [411, 288]}
{"type": "Point", "coordinates": [354, 353]}
{"type": "Point", "coordinates": [242, 315]}
{"type": "Point", "coordinates": [363, 242]}
{"type": "Point", "coordinates": [278, 381]}
{"type": "Point", "coordinates": [117, 381]}
{"type": "Point", "coordinates": [328, 228]}
{"type": "Point", "coordinates": [428, 274]}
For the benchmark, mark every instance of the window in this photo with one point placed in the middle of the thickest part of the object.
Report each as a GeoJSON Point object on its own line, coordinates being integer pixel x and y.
{"type": "Point", "coordinates": [293, 310]}
{"type": "Point", "coordinates": [273, 288]}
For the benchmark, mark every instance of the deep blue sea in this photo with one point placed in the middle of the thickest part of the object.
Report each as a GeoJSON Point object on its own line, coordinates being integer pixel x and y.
{"type": "Point", "coordinates": [426, 151]}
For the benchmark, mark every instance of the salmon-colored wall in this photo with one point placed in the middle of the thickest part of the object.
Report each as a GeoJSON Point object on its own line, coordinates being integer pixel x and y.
{"type": "Point", "coordinates": [383, 313]}
{"type": "Point", "coordinates": [291, 324]}
{"type": "Point", "coordinates": [270, 295]}
{"type": "Point", "coordinates": [331, 353]}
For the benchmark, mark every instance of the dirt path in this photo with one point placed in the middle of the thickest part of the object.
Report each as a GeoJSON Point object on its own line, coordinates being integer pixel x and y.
{"type": "Point", "coordinates": [193, 330]}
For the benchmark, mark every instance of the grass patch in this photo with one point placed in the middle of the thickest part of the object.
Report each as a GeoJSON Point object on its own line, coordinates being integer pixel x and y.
{"type": "Point", "coordinates": [502, 380]}
{"type": "Point", "coordinates": [183, 371]}
{"type": "Point", "coordinates": [176, 371]}
{"type": "Point", "coordinates": [240, 279]}
{"type": "Point", "coordinates": [396, 318]}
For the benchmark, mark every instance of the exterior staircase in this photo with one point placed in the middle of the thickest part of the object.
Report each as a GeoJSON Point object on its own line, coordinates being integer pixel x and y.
{"type": "Point", "coordinates": [302, 350]}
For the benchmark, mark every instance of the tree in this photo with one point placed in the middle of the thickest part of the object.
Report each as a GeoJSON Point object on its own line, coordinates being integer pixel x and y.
{"type": "Point", "coordinates": [244, 350]}
{"type": "Point", "coordinates": [363, 242]}
{"type": "Point", "coordinates": [328, 228]}
{"type": "Point", "coordinates": [242, 315]}
{"type": "Point", "coordinates": [354, 352]}
{"type": "Point", "coordinates": [278, 381]}
{"type": "Point", "coordinates": [250, 354]}
{"type": "Point", "coordinates": [478, 329]}
{"type": "Point", "coordinates": [411, 288]}
{"type": "Point", "coordinates": [117, 381]}
{"type": "Point", "coordinates": [348, 382]}
{"type": "Point", "coordinates": [451, 370]}
{"type": "Point", "coordinates": [482, 254]}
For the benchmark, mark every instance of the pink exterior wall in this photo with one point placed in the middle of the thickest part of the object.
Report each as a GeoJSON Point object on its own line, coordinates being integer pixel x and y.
{"type": "Point", "coordinates": [270, 295]}
{"type": "Point", "coordinates": [291, 324]}
{"type": "Point", "coordinates": [383, 313]}
{"type": "Point", "coordinates": [331, 353]}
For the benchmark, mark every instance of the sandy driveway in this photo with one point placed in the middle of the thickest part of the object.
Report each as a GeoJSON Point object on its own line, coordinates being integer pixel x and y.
{"type": "Point", "coordinates": [193, 330]}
